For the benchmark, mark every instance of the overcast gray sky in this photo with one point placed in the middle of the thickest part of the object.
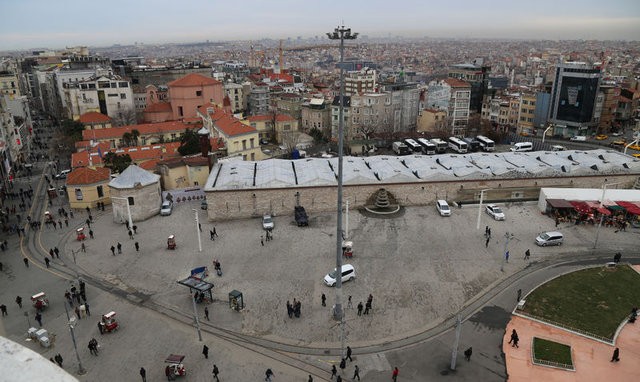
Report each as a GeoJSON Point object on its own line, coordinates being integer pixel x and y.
{"type": "Point", "coordinates": [54, 24]}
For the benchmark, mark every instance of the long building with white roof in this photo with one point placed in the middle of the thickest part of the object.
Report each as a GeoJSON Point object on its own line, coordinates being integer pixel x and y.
{"type": "Point", "coordinates": [244, 189]}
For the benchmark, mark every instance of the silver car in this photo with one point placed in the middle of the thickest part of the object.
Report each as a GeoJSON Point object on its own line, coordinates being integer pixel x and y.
{"type": "Point", "coordinates": [267, 222]}
{"type": "Point", "coordinates": [166, 208]}
{"type": "Point", "coordinates": [495, 212]}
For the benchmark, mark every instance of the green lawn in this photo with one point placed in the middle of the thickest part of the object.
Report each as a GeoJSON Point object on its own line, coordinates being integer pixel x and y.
{"type": "Point", "coordinates": [595, 300]}
{"type": "Point", "coordinates": [552, 351]}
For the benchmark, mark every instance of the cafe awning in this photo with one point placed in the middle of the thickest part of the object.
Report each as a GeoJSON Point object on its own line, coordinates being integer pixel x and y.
{"type": "Point", "coordinates": [581, 207]}
{"type": "Point", "coordinates": [596, 206]}
{"type": "Point", "coordinates": [559, 203]}
{"type": "Point", "coordinates": [629, 207]}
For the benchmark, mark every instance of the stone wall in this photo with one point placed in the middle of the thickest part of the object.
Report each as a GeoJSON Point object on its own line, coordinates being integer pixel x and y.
{"type": "Point", "coordinates": [232, 204]}
{"type": "Point", "coordinates": [147, 201]}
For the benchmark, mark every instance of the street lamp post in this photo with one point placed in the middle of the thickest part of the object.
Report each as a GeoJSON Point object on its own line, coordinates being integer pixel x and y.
{"type": "Point", "coordinates": [480, 206]}
{"type": "Point", "coordinates": [545, 132]}
{"type": "Point", "coordinates": [128, 209]}
{"type": "Point", "coordinates": [340, 33]}
{"type": "Point", "coordinates": [71, 322]}
{"type": "Point", "coordinates": [198, 229]}
{"type": "Point", "coordinates": [604, 188]}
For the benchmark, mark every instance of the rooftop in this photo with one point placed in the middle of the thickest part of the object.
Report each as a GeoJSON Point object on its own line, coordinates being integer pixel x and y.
{"type": "Point", "coordinates": [193, 79]}
{"type": "Point", "coordinates": [94, 117]}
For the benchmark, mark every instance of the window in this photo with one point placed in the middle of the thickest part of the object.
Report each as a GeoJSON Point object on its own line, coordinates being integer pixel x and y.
{"type": "Point", "coordinates": [131, 201]}
{"type": "Point", "coordinates": [180, 111]}
{"type": "Point", "coordinates": [100, 192]}
{"type": "Point", "coordinates": [123, 84]}
{"type": "Point", "coordinates": [123, 96]}
{"type": "Point", "coordinates": [252, 144]}
{"type": "Point", "coordinates": [244, 144]}
{"type": "Point", "coordinates": [253, 156]}
{"type": "Point", "coordinates": [78, 194]}
{"type": "Point", "coordinates": [198, 93]}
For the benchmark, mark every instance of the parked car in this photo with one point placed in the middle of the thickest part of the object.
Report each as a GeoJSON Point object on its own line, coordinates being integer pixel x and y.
{"type": "Point", "coordinates": [166, 208]}
{"type": "Point", "coordinates": [348, 274]}
{"type": "Point", "coordinates": [578, 138]}
{"type": "Point", "coordinates": [618, 142]}
{"type": "Point", "coordinates": [601, 137]}
{"type": "Point", "coordinates": [267, 222]}
{"type": "Point", "coordinates": [495, 212]}
{"type": "Point", "coordinates": [203, 205]}
{"type": "Point", "coordinates": [301, 216]}
{"type": "Point", "coordinates": [549, 238]}
{"type": "Point", "coordinates": [443, 208]}
{"type": "Point", "coordinates": [63, 174]}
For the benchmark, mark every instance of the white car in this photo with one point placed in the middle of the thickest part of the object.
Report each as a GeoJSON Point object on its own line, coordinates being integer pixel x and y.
{"type": "Point", "coordinates": [267, 222]}
{"type": "Point", "coordinates": [348, 274]}
{"type": "Point", "coordinates": [166, 208]}
{"type": "Point", "coordinates": [443, 208]}
{"type": "Point", "coordinates": [495, 212]}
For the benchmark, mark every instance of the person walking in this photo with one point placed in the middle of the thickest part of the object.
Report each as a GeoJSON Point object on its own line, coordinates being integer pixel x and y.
{"type": "Point", "coordinates": [137, 246]}
{"type": "Point", "coordinates": [519, 295]}
{"type": "Point", "coordinates": [143, 374]}
{"type": "Point", "coordinates": [215, 373]}
{"type": "Point", "coordinates": [211, 236]}
{"type": "Point", "coordinates": [310, 378]}
{"type": "Point", "coordinates": [367, 307]}
{"type": "Point", "coordinates": [506, 256]}
{"type": "Point", "coordinates": [486, 231]}
{"type": "Point", "coordinates": [360, 308]}
{"type": "Point", "coordinates": [19, 301]}
{"type": "Point", "coordinates": [39, 318]}
{"type": "Point", "coordinates": [261, 241]}
{"type": "Point", "coordinates": [324, 300]}
{"type": "Point", "coordinates": [26, 262]}
{"type": "Point", "coordinates": [206, 313]}
{"type": "Point", "coordinates": [334, 371]}
{"type": "Point", "coordinates": [86, 306]}
{"type": "Point", "coordinates": [3, 309]}
{"type": "Point", "coordinates": [467, 354]}
{"type": "Point", "coordinates": [119, 248]}
{"type": "Point", "coordinates": [130, 235]}
{"type": "Point", "coordinates": [514, 334]}
{"type": "Point", "coordinates": [215, 233]}
{"type": "Point", "coordinates": [91, 233]}
{"type": "Point", "coordinates": [205, 351]}
{"type": "Point", "coordinates": [77, 310]}
{"type": "Point", "coordinates": [486, 243]}
{"type": "Point", "coordinates": [343, 364]}
{"type": "Point", "coordinates": [349, 303]}
{"type": "Point", "coordinates": [349, 353]}
{"type": "Point", "coordinates": [268, 374]}
{"type": "Point", "coordinates": [101, 327]}
{"type": "Point", "coordinates": [58, 359]}
{"type": "Point", "coordinates": [356, 373]}
{"type": "Point", "coordinates": [83, 248]}
{"type": "Point", "coordinates": [200, 227]}
{"type": "Point", "coordinates": [616, 355]}
{"type": "Point", "coordinates": [527, 254]}
{"type": "Point", "coordinates": [394, 375]}
{"type": "Point", "coordinates": [113, 250]}
{"type": "Point", "coordinates": [57, 252]}
{"type": "Point", "coordinates": [46, 261]}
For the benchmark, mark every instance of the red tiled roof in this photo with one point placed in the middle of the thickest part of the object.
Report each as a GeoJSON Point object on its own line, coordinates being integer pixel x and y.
{"type": "Point", "coordinates": [94, 117]}
{"type": "Point", "coordinates": [149, 165]}
{"type": "Point", "coordinates": [226, 123]}
{"type": "Point", "coordinates": [144, 129]}
{"type": "Point", "coordinates": [158, 107]}
{"type": "Point", "coordinates": [268, 117]}
{"type": "Point", "coordinates": [138, 154]}
{"type": "Point", "coordinates": [86, 175]}
{"type": "Point", "coordinates": [456, 83]}
{"type": "Point", "coordinates": [193, 79]}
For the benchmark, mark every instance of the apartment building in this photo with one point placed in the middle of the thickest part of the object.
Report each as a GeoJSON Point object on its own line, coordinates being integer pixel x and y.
{"type": "Point", "coordinates": [371, 113]}
{"type": "Point", "coordinates": [433, 121]}
{"type": "Point", "coordinates": [240, 139]}
{"type": "Point", "coordinates": [236, 95]}
{"type": "Point", "coordinates": [315, 114]}
{"type": "Point", "coordinates": [346, 117]}
{"type": "Point", "coordinates": [453, 96]}
{"type": "Point", "coordinates": [360, 81]}
{"type": "Point", "coordinates": [526, 115]}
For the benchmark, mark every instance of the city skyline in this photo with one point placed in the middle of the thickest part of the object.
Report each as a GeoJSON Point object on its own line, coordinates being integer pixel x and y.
{"type": "Point", "coordinates": [50, 25]}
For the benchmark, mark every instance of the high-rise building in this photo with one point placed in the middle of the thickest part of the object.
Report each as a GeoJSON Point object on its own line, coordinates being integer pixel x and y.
{"type": "Point", "coordinates": [573, 98]}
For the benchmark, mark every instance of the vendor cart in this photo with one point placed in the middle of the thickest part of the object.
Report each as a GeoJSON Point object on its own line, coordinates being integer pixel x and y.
{"type": "Point", "coordinates": [347, 249]}
{"type": "Point", "coordinates": [109, 322]}
{"type": "Point", "coordinates": [171, 242]}
{"type": "Point", "coordinates": [40, 301]}
{"type": "Point", "coordinates": [175, 367]}
{"type": "Point", "coordinates": [80, 236]}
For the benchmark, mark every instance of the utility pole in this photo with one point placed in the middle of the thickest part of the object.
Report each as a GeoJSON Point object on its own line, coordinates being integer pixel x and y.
{"type": "Point", "coordinates": [198, 229]}
{"type": "Point", "coordinates": [454, 352]}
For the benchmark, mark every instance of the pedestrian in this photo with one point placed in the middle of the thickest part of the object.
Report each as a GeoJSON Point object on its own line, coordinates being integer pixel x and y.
{"type": "Point", "coordinates": [113, 250]}
{"type": "Point", "coordinates": [58, 359]}
{"type": "Point", "coordinates": [205, 351]}
{"type": "Point", "coordinates": [119, 248]}
{"type": "Point", "coordinates": [261, 241]}
{"type": "Point", "coordinates": [268, 374]}
{"type": "Point", "coordinates": [360, 308]}
{"type": "Point", "coordinates": [51, 254]}
{"type": "Point", "coordinates": [100, 327]}
{"type": "Point", "coordinates": [617, 257]}
{"type": "Point", "coordinates": [46, 261]}
{"type": "Point", "coordinates": [206, 313]}
{"type": "Point", "coordinates": [71, 214]}
{"type": "Point", "coordinates": [343, 364]}
{"type": "Point", "coordinates": [467, 354]}
{"type": "Point", "coordinates": [506, 256]}
{"type": "Point", "coordinates": [39, 318]}
{"type": "Point", "coordinates": [215, 233]}
{"type": "Point", "coordinates": [3, 309]}
{"type": "Point", "coordinates": [143, 374]}
{"type": "Point", "coordinates": [137, 246]}
{"type": "Point", "coordinates": [356, 373]}
{"type": "Point", "coordinates": [215, 373]}
{"type": "Point", "coordinates": [77, 310]}
{"type": "Point", "coordinates": [514, 334]}
{"type": "Point", "coordinates": [394, 375]}
{"type": "Point", "coordinates": [339, 379]}
{"type": "Point", "coordinates": [486, 243]}
{"type": "Point", "coordinates": [91, 233]}
{"type": "Point", "coordinates": [66, 222]}
{"type": "Point", "coordinates": [130, 235]}
{"type": "Point", "coordinates": [324, 300]}
{"type": "Point", "coordinates": [616, 355]}
{"type": "Point", "coordinates": [211, 235]}
{"type": "Point", "coordinates": [92, 349]}
{"type": "Point", "coordinates": [83, 247]}
{"type": "Point", "coordinates": [86, 306]}
{"type": "Point", "coordinates": [289, 309]}
{"type": "Point", "coordinates": [135, 229]}
{"type": "Point", "coordinates": [489, 232]}
{"type": "Point", "coordinates": [349, 353]}
{"type": "Point", "coordinates": [57, 252]}
{"type": "Point", "coordinates": [26, 262]}
{"type": "Point", "coordinates": [349, 303]}
{"type": "Point", "coordinates": [200, 227]}
{"type": "Point", "coordinates": [367, 307]}
{"type": "Point", "coordinates": [519, 295]}
{"type": "Point", "coordinates": [310, 378]}
{"type": "Point", "coordinates": [486, 231]}
{"type": "Point", "coordinates": [557, 221]}
{"type": "Point", "coordinates": [334, 371]}
{"type": "Point", "coordinates": [527, 254]}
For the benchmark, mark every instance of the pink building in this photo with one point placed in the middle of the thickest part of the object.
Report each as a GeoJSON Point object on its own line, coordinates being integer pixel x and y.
{"type": "Point", "coordinates": [192, 91]}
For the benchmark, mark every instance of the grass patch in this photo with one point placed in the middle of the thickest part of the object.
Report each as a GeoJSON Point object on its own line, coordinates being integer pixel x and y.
{"type": "Point", "coordinates": [593, 300]}
{"type": "Point", "coordinates": [552, 352]}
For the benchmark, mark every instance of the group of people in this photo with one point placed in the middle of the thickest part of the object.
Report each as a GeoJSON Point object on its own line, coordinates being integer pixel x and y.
{"type": "Point", "coordinates": [294, 309]}
{"type": "Point", "coordinates": [367, 307]}
{"type": "Point", "coordinates": [93, 346]}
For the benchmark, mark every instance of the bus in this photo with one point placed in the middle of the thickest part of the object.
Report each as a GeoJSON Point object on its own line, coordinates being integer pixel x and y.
{"type": "Point", "coordinates": [427, 146]}
{"type": "Point", "coordinates": [458, 145]}
{"type": "Point", "coordinates": [486, 144]}
{"type": "Point", "coordinates": [413, 145]}
{"type": "Point", "coordinates": [472, 144]}
{"type": "Point", "coordinates": [441, 146]}
{"type": "Point", "coordinates": [400, 148]}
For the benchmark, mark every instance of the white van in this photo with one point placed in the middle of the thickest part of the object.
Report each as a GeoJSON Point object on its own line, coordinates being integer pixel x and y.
{"type": "Point", "coordinates": [443, 208]}
{"type": "Point", "coordinates": [522, 146]}
{"type": "Point", "coordinates": [578, 138]}
{"type": "Point", "coordinates": [549, 238]}
{"type": "Point", "coordinates": [558, 148]}
{"type": "Point", "coordinates": [348, 274]}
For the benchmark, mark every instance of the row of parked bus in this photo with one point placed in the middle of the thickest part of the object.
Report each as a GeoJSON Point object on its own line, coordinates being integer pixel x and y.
{"type": "Point", "coordinates": [439, 146]}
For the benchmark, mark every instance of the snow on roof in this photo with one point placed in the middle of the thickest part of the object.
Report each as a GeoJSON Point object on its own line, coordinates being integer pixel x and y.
{"type": "Point", "coordinates": [383, 169]}
{"type": "Point", "coordinates": [133, 175]}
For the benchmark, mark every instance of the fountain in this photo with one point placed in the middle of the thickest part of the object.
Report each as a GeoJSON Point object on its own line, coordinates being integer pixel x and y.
{"type": "Point", "coordinates": [384, 204]}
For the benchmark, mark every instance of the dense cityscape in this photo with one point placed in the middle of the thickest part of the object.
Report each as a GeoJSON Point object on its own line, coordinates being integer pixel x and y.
{"type": "Point", "coordinates": [389, 160]}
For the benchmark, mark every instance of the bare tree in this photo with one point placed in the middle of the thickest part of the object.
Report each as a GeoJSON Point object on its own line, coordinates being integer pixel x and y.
{"type": "Point", "coordinates": [125, 118]}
